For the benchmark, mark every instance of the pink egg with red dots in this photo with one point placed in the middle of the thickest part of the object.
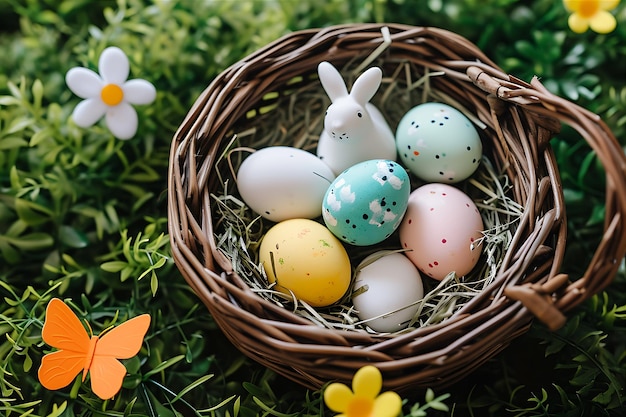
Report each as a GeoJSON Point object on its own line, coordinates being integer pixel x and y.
{"type": "Point", "coordinates": [441, 229]}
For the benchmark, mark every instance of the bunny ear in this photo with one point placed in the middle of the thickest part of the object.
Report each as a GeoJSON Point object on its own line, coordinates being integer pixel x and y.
{"type": "Point", "coordinates": [332, 81]}
{"type": "Point", "coordinates": [366, 85]}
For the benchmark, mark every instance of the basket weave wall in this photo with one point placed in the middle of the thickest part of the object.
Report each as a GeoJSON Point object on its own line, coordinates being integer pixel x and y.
{"type": "Point", "coordinates": [520, 118]}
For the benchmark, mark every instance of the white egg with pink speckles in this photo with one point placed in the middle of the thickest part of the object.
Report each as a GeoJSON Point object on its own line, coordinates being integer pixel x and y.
{"type": "Point", "coordinates": [441, 229]}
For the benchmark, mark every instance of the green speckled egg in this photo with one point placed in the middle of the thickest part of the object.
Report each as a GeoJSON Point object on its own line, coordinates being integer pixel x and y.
{"type": "Point", "coordinates": [365, 203]}
{"type": "Point", "coordinates": [438, 143]}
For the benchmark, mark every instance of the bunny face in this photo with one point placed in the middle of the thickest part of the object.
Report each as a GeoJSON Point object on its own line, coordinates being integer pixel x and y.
{"type": "Point", "coordinates": [346, 119]}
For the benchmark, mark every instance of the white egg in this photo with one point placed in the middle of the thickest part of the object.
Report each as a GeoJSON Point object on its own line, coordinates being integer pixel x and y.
{"type": "Point", "coordinates": [387, 284]}
{"type": "Point", "coordinates": [282, 182]}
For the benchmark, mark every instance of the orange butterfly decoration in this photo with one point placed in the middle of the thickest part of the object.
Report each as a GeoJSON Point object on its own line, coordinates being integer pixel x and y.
{"type": "Point", "coordinates": [77, 350]}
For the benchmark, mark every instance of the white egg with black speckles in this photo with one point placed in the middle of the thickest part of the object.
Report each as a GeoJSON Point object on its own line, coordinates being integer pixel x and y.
{"type": "Point", "coordinates": [365, 203]}
{"type": "Point", "coordinates": [438, 143]}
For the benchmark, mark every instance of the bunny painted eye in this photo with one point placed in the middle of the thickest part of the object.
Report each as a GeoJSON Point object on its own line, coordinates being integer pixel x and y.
{"type": "Point", "coordinates": [359, 114]}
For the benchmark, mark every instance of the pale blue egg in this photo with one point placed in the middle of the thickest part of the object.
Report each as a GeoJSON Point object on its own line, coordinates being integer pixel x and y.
{"type": "Point", "coordinates": [438, 143]}
{"type": "Point", "coordinates": [365, 203]}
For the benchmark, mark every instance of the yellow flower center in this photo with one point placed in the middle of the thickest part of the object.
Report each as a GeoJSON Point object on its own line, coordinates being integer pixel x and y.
{"type": "Point", "coordinates": [360, 407]}
{"type": "Point", "coordinates": [588, 8]}
{"type": "Point", "coordinates": [112, 94]}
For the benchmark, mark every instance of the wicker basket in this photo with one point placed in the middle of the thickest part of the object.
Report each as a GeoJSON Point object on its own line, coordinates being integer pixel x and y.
{"type": "Point", "coordinates": [519, 118]}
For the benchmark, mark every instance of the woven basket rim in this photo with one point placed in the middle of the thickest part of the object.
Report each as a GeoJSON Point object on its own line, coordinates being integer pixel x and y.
{"type": "Point", "coordinates": [436, 355]}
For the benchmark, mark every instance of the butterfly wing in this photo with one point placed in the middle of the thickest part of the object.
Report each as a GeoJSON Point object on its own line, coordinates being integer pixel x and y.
{"type": "Point", "coordinates": [107, 375]}
{"type": "Point", "coordinates": [63, 330]}
{"type": "Point", "coordinates": [58, 369]}
{"type": "Point", "coordinates": [122, 342]}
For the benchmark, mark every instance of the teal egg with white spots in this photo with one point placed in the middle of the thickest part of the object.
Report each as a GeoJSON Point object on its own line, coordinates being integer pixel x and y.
{"type": "Point", "coordinates": [365, 204]}
{"type": "Point", "coordinates": [438, 143]}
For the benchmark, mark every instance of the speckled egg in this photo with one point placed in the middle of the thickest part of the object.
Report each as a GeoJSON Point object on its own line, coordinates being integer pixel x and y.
{"type": "Point", "coordinates": [303, 257]}
{"type": "Point", "coordinates": [442, 228]}
{"type": "Point", "coordinates": [365, 203]}
{"type": "Point", "coordinates": [438, 143]}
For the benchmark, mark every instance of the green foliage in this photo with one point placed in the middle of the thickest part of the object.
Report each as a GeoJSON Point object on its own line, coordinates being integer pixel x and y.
{"type": "Point", "coordinates": [83, 215]}
{"type": "Point", "coordinates": [579, 370]}
{"type": "Point", "coordinates": [140, 257]}
{"type": "Point", "coordinates": [430, 401]}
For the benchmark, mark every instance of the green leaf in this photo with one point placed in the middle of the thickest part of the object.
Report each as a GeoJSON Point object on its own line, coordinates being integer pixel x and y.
{"type": "Point", "coordinates": [40, 136]}
{"type": "Point", "coordinates": [126, 273]}
{"type": "Point", "coordinates": [48, 17]}
{"type": "Point", "coordinates": [192, 386]}
{"type": "Point", "coordinates": [271, 410]}
{"type": "Point", "coordinates": [17, 228]}
{"type": "Point", "coordinates": [430, 395]}
{"type": "Point", "coordinates": [164, 365]}
{"type": "Point", "coordinates": [9, 253]}
{"type": "Point", "coordinates": [28, 362]}
{"type": "Point", "coordinates": [9, 101]}
{"type": "Point", "coordinates": [72, 237]}
{"type": "Point", "coordinates": [14, 176]}
{"type": "Point", "coordinates": [15, 91]}
{"type": "Point", "coordinates": [114, 266]}
{"type": "Point", "coordinates": [256, 391]}
{"type": "Point", "coordinates": [584, 167]}
{"type": "Point", "coordinates": [438, 405]}
{"type": "Point", "coordinates": [220, 405]}
{"type": "Point", "coordinates": [157, 409]}
{"type": "Point", "coordinates": [129, 407]}
{"type": "Point", "coordinates": [58, 410]}
{"type": "Point", "coordinates": [19, 124]}
{"type": "Point", "coordinates": [31, 213]}
{"type": "Point", "coordinates": [154, 284]}
{"type": "Point", "coordinates": [604, 397]}
{"type": "Point", "coordinates": [37, 90]}
{"type": "Point", "coordinates": [597, 215]}
{"type": "Point", "coordinates": [12, 142]}
{"type": "Point", "coordinates": [30, 242]}
{"type": "Point", "coordinates": [525, 48]}
{"type": "Point", "coordinates": [133, 366]}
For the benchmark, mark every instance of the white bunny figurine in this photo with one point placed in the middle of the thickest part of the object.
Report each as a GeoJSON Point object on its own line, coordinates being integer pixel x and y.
{"type": "Point", "coordinates": [354, 129]}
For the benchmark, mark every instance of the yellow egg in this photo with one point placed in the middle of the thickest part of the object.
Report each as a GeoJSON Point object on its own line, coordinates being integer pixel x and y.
{"type": "Point", "coordinates": [305, 257]}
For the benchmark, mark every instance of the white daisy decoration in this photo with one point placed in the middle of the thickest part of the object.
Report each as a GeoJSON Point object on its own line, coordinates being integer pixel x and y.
{"type": "Point", "coordinates": [109, 94]}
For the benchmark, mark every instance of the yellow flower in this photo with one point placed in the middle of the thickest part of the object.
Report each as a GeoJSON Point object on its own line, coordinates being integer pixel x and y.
{"type": "Point", "coordinates": [592, 14]}
{"type": "Point", "coordinates": [363, 400]}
